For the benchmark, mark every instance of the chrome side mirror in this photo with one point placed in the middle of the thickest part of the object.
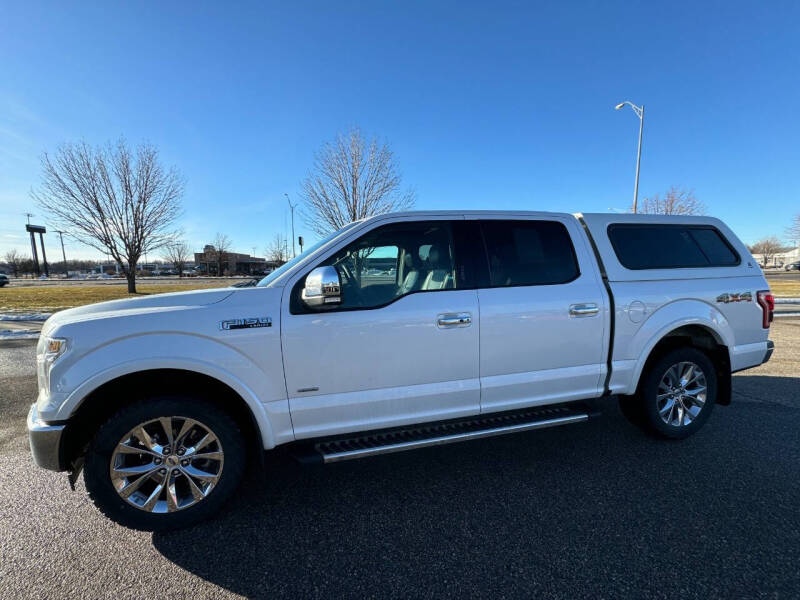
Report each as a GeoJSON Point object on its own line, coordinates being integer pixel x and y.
{"type": "Point", "coordinates": [322, 288]}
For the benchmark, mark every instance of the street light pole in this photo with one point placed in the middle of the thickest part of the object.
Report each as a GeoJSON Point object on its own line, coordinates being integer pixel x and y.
{"type": "Point", "coordinates": [63, 254]}
{"type": "Point", "coordinates": [291, 207]}
{"type": "Point", "coordinates": [639, 110]}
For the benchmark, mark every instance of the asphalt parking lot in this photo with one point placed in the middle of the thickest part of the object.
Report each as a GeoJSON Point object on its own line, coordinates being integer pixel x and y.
{"type": "Point", "coordinates": [590, 510]}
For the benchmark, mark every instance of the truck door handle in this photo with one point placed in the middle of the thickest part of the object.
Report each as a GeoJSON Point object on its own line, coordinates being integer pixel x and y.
{"type": "Point", "coordinates": [583, 310]}
{"type": "Point", "coordinates": [454, 320]}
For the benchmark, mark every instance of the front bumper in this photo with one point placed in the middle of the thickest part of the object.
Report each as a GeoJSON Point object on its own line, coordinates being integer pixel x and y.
{"type": "Point", "coordinates": [45, 441]}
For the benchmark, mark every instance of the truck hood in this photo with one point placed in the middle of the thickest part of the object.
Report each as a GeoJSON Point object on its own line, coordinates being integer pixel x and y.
{"type": "Point", "coordinates": [136, 306]}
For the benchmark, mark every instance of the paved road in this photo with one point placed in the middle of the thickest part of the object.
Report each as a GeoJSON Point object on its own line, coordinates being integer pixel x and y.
{"type": "Point", "coordinates": [589, 510]}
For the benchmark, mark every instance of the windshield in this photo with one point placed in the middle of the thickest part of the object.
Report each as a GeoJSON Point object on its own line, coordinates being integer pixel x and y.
{"type": "Point", "coordinates": [288, 265]}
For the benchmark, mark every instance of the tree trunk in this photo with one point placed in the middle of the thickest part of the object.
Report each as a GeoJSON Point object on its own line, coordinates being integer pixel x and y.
{"type": "Point", "coordinates": [130, 275]}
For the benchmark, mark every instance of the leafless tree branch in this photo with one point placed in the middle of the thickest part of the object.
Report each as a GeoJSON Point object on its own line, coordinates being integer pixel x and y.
{"type": "Point", "coordinates": [767, 248]}
{"type": "Point", "coordinates": [178, 254]}
{"type": "Point", "coordinates": [677, 201]}
{"type": "Point", "coordinates": [218, 250]}
{"type": "Point", "coordinates": [112, 199]}
{"type": "Point", "coordinates": [14, 260]}
{"type": "Point", "coordinates": [278, 249]}
{"type": "Point", "coordinates": [793, 232]}
{"type": "Point", "coordinates": [352, 179]}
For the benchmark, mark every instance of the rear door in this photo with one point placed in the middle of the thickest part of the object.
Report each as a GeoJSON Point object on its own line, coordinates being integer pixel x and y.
{"type": "Point", "coordinates": [543, 315]}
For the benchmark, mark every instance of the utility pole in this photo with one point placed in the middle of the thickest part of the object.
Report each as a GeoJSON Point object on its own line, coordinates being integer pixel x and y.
{"type": "Point", "coordinates": [639, 110]}
{"type": "Point", "coordinates": [63, 254]}
{"type": "Point", "coordinates": [291, 207]}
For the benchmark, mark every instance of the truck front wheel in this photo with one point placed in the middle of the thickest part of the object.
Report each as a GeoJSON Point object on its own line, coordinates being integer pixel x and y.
{"type": "Point", "coordinates": [164, 463]}
{"type": "Point", "coordinates": [676, 394]}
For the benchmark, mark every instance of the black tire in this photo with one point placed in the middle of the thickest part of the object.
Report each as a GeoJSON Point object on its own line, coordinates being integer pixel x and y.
{"type": "Point", "coordinates": [631, 409]}
{"type": "Point", "coordinates": [99, 455]}
{"type": "Point", "coordinates": [643, 408]}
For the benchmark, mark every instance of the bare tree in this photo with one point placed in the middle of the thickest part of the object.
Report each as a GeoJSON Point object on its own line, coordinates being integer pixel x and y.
{"type": "Point", "coordinates": [14, 260]}
{"type": "Point", "coordinates": [677, 201]}
{"type": "Point", "coordinates": [26, 266]}
{"type": "Point", "coordinates": [352, 179]}
{"type": "Point", "coordinates": [178, 254]}
{"type": "Point", "coordinates": [113, 199]}
{"type": "Point", "coordinates": [278, 249]}
{"type": "Point", "coordinates": [218, 250]}
{"type": "Point", "coordinates": [793, 232]}
{"type": "Point", "coordinates": [767, 248]}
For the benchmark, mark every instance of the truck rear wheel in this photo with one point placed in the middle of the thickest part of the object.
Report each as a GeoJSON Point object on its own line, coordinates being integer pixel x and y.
{"type": "Point", "coordinates": [676, 394]}
{"type": "Point", "coordinates": [164, 463]}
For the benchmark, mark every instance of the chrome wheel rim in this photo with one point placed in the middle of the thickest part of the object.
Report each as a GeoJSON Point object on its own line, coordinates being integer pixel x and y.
{"type": "Point", "coordinates": [166, 464]}
{"type": "Point", "coordinates": [681, 394]}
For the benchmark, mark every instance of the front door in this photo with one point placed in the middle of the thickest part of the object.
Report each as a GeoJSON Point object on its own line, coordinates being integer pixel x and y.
{"type": "Point", "coordinates": [400, 348]}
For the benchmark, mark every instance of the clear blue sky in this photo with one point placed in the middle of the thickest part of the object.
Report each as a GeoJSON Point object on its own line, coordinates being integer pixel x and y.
{"type": "Point", "coordinates": [487, 105]}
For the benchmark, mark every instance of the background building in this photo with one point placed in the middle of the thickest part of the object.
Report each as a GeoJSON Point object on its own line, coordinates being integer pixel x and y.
{"type": "Point", "coordinates": [233, 263]}
{"type": "Point", "coordinates": [779, 259]}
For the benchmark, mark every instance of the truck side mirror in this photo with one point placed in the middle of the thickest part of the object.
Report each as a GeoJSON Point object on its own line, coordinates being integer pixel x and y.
{"type": "Point", "coordinates": [323, 287]}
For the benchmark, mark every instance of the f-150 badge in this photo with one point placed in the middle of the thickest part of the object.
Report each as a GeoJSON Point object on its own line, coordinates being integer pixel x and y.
{"type": "Point", "coordinates": [246, 323]}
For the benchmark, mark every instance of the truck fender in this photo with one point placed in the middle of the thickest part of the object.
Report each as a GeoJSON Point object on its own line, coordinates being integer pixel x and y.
{"type": "Point", "coordinates": [178, 351]}
{"type": "Point", "coordinates": [656, 327]}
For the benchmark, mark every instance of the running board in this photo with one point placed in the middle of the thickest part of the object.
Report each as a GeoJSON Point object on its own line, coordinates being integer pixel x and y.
{"type": "Point", "coordinates": [444, 432]}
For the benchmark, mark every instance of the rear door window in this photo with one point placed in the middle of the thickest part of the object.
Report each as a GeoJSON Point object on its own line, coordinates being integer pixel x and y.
{"type": "Point", "coordinates": [529, 253]}
{"type": "Point", "coordinates": [670, 246]}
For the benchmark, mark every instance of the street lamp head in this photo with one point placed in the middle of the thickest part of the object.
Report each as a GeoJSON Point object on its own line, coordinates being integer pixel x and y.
{"type": "Point", "coordinates": [618, 106]}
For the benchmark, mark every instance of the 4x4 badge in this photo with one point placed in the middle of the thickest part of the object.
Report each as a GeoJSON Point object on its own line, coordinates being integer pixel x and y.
{"type": "Point", "coordinates": [743, 297]}
{"type": "Point", "coordinates": [246, 323]}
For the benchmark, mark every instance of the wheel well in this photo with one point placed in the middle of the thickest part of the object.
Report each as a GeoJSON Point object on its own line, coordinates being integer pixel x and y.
{"type": "Point", "coordinates": [697, 336]}
{"type": "Point", "coordinates": [113, 395]}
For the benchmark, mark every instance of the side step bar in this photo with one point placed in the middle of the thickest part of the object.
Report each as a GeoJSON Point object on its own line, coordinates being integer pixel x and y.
{"type": "Point", "coordinates": [446, 432]}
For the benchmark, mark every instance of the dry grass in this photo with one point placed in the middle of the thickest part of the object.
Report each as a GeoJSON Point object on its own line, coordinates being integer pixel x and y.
{"type": "Point", "coordinates": [784, 287]}
{"type": "Point", "coordinates": [51, 298]}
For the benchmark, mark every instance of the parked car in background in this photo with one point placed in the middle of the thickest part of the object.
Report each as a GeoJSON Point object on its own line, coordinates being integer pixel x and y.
{"type": "Point", "coordinates": [493, 323]}
{"type": "Point", "coordinates": [3, 279]}
{"type": "Point", "coordinates": [794, 266]}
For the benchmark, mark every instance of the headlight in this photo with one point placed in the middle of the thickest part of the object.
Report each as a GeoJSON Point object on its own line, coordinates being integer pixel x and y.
{"type": "Point", "coordinates": [47, 352]}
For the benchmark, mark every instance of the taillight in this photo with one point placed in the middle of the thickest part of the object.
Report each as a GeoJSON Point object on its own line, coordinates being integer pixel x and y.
{"type": "Point", "coordinates": [767, 303]}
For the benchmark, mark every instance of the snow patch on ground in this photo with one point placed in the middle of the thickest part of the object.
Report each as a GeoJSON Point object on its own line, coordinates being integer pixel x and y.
{"type": "Point", "coordinates": [24, 316]}
{"type": "Point", "coordinates": [19, 334]}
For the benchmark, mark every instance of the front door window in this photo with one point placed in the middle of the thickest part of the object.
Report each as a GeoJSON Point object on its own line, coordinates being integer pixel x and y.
{"type": "Point", "coordinates": [393, 261]}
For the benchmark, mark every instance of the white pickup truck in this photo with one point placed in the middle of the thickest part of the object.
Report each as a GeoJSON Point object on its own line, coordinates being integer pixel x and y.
{"type": "Point", "coordinates": [397, 332]}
